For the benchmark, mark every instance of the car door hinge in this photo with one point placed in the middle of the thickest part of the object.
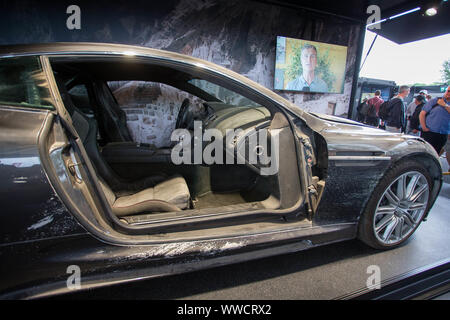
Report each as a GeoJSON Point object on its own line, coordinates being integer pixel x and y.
{"type": "Point", "coordinates": [315, 192]}
{"type": "Point", "coordinates": [73, 167]}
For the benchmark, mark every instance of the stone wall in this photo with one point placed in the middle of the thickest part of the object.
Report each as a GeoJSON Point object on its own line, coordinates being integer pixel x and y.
{"type": "Point", "coordinates": [152, 109]}
{"type": "Point", "coordinates": [237, 34]}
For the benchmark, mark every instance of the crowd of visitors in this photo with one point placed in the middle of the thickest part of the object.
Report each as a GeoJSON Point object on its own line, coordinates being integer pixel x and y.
{"type": "Point", "coordinates": [425, 116]}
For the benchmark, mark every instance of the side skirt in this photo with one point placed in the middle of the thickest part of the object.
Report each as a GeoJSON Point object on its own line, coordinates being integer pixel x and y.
{"type": "Point", "coordinates": [140, 263]}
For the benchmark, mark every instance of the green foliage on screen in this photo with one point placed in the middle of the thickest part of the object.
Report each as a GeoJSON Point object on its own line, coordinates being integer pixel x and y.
{"type": "Point", "coordinates": [322, 69]}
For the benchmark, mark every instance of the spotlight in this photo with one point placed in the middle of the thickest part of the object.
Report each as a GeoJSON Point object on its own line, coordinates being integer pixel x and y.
{"type": "Point", "coordinates": [431, 8]}
{"type": "Point", "coordinates": [431, 11]}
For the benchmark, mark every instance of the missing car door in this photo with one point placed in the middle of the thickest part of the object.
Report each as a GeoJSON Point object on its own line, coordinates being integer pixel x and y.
{"type": "Point", "coordinates": [218, 195]}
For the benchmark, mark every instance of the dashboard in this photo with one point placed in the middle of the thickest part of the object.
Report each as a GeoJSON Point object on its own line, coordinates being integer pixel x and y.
{"type": "Point", "coordinates": [246, 122]}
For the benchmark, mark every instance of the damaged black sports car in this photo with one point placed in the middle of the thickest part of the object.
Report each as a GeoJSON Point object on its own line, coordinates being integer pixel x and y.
{"type": "Point", "coordinates": [126, 163]}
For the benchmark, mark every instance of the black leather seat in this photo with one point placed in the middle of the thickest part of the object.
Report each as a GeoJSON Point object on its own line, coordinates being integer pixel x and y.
{"type": "Point", "coordinates": [151, 194]}
{"type": "Point", "coordinates": [112, 118]}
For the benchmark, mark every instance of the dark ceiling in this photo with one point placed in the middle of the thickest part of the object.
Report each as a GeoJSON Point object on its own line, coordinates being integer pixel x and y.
{"type": "Point", "coordinates": [417, 26]}
{"type": "Point", "coordinates": [411, 27]}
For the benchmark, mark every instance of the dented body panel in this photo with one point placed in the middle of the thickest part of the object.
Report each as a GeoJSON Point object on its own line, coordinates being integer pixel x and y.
{"type": "Point", "coordinates": [30, 208]}
{"type": "Point", "coordinates": [361, 153]}
{"type": "Point", "coordinates": [40, 237]}
{"type": "Point", "coordinates": [105, 264]}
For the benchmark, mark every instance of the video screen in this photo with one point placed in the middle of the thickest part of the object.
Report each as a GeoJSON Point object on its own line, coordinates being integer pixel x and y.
{"type": "Point", "coordinates": [309, 66]}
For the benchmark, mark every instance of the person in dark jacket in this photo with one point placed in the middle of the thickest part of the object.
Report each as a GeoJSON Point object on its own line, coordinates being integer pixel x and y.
{"type": "Point", "coordinates": [413, 123]}
{"type": "Point", "coordinates": [396, 121]}
{"type": "Point", "coordinates": [374, 106]}
{"type": "Point", "coordinates": [361, 111]}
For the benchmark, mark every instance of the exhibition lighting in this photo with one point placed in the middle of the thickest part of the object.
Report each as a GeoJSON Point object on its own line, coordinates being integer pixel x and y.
{"type": "Point", "coordinates": [394, 16]}
{"type": "Point", "coordinates": [431, 12]}
{"type": "Point", "coordinates": [403, 13]}
{"type": "Point", "coordinates": [432, 7]}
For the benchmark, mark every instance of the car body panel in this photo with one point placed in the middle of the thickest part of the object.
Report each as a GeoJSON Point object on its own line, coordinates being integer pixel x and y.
{"type": "Point", "coordinates": [104, 264]}
{"type": "Point", "coordinates": [30, 208]}
{"type": "Point", "coordinates": [38, 233]}
{"type": "Point", "coordinates": [357, 152]}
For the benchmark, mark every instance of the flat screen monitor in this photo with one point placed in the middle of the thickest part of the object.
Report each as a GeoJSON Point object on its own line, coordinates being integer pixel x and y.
{"type": "Point", "coordinates": [309, 66]}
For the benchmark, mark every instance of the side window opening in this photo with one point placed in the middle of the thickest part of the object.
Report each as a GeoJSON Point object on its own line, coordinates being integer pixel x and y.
{"type": "Point", "coordinates": [134, 174]}
{"type": "Point", "coordinates": [23, 83]}
{"type": "Point", "coordinates": [152, 108]}
{"type": "Point", "coordinates": [222, 94]}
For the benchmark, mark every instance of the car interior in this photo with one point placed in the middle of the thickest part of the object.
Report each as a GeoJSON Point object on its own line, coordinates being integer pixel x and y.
{"type": "Point", "coordinates": [139, 179]}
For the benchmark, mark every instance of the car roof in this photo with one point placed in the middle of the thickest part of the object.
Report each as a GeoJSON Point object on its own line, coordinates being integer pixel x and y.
{"type": "Point", "coordinates": [81, 48]}
{"type": "Point", "coordinates": [39, 48]}
{"type": "Point", "coordinates": [87, 48]}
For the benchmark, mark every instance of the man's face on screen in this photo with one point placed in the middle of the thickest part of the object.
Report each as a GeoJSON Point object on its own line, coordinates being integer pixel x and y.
{"type": "Point", "coordinates": [309, 59]}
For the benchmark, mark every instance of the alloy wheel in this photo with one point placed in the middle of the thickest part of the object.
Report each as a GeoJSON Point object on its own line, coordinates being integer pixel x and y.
{"type": "Point", "coordinates": [401, 208]}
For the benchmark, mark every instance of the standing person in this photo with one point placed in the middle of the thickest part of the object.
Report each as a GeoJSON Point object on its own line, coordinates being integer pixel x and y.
{"type": "Point", "coordinates": [414, 122]}
{"type": "Point", "coordinates": [435, 121]}
{"type": "Point", "coordinates": [424, 93]}
{"type": "Point", "coordinates": [420, 99]}
{"type": "Point", "coordinates": [374, 106]}
{"type": "Point", "coordinates": [362, 111]}
{"type": "Point", "coordinates": [411, 107]}
{"type": "Point", "coordinates": [396, 121]}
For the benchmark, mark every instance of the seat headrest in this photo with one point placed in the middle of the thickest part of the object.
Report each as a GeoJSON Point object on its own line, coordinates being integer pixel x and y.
{"type": "Point", "coordinates": [105, 96]}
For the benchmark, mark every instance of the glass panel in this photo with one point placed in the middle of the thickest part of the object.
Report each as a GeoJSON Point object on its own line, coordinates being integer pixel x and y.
{"type": "Point", "coordinates": [79, 90]}
{"type": "Point", "coordinates": [152, 109]}
{"type": "Point", "coordinates": [23, 82]}
{"type": "Point", "coordinates": [223, 94]}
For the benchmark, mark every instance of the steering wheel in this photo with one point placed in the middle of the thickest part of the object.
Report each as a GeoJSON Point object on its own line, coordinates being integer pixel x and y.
{"type": "Point", "coordinates": [183, 115]}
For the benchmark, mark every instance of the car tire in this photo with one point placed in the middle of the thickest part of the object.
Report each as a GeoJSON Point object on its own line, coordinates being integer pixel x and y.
{"type": "Point", "coordinates": [387, 223]}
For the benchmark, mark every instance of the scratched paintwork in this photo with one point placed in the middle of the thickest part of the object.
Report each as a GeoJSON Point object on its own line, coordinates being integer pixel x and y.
{"type": "Point", "coordinates": [38, 233]}
{"type": "Point", "coordinates": [349, 187]}
{"type": "Point", "coordinates": [30, 208]}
